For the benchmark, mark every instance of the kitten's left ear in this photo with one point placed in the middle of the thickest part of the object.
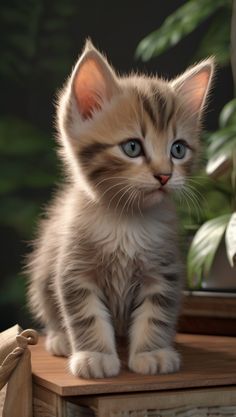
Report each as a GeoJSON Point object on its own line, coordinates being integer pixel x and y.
{"type": "Point", "coordinates": [194, 85]}
{"type": "Point", "coordinates": [93, 81]}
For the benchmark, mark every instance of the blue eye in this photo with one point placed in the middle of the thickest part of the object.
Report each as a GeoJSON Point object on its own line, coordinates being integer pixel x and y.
{"type": "Point", "coordinates": [178, 149]}
{"type": "Point", "coordinates": [132, 148]}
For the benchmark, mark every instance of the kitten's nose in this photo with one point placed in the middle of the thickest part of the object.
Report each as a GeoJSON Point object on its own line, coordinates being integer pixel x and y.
{"type": "Point", "coordinates": [163, 178]}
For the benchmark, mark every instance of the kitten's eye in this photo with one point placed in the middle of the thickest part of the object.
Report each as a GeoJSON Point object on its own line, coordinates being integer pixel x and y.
{"type": "Point", "coordinates": [178, 149]}
{"type": "Point", "coordinates": [132, 148]}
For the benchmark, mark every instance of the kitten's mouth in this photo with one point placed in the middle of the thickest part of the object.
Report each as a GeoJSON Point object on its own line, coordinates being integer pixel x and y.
{"type": "Point", "coordinates": [154, 196]}
{"type": "Point", "coordinates": [157, 191]}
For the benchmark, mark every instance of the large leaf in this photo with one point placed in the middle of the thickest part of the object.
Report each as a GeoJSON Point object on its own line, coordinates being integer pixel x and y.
{"type": "Point", "coordinates": [203, 248]}
{"type": "Point", "coordinates": [228, 114]}
{"type": "Point", "coordinates": [179, 24]}
{"type": "Point", "coordinates": [220, 150]}
{"type": "Point", "coordinates": [230, 240]}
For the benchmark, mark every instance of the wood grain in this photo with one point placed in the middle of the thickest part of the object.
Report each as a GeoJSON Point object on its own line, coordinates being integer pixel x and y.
{"type": "Point", "coordinates": [169, 400]}
{"type": "Point", "coordinates": [208, 314]}
{"type": "Point", "coordinates": [207, 361]}
{"type": "Point", "coordinates": [209, 306]}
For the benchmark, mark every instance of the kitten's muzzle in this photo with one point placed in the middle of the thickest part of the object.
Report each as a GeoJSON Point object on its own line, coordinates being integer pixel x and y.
{"type": "Point", "coordinates": [163, 178]}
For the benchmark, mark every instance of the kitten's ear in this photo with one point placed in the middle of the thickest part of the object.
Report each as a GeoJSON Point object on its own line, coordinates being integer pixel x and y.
{"type": "Point", "coordinates": [194, 85]}
{"type": "Point", "coordinates": [93, 81]}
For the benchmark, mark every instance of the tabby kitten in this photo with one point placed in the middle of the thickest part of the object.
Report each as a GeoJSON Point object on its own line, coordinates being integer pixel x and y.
{"type": "Point", "coordinates": [106, 261]}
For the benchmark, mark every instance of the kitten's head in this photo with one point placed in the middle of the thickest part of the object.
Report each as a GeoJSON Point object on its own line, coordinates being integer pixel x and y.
{"type": "Point", "coordinates": [130, 141]}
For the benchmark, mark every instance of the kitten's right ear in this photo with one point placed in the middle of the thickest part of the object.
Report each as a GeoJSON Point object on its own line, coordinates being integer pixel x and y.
{"type": "Point", "coordinates": [93, 81]}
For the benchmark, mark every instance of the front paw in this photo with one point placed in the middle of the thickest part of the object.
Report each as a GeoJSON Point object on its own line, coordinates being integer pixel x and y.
{"type": "Point", "coordinates": [163, 361]}
{"type": "Point", "coordinates": [94, 364]}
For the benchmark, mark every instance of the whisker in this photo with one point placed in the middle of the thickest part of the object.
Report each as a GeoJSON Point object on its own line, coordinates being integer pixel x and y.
{"type": "Point", "coordinates": [120, 190]}
{"type": "Point", "coordinates": [133, 201]}
{"type": "Point", "coordinates": [139, 198]}
{"type": "Point", "coordinates": [130, 188]}
{"type": "Point", "coordinates": [110, 188]}
{"type": "Point", "coordinates": [110, 179]}
{"type": "Point", "coordinates": [195, 203]}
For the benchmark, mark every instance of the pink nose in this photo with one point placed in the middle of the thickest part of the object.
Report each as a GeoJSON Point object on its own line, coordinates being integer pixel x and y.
{"type": "Point", "coordinates": [163, 178]}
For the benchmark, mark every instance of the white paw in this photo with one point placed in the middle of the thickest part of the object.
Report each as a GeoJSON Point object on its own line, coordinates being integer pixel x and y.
{"type": "Point", "coordinates": [57, 344]}
{"type": "Point", "coordinates": [162, 361]}
{"type": "Point", "coordinates": [94, 364]}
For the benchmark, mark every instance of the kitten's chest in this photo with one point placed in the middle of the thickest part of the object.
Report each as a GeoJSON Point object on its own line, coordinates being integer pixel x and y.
{"type": "Point", "coordinates": [123, 267]}
{"type": "Point", "coordinates": [120, 281]}
{"type": "Point", "coordinates": [127, 253]}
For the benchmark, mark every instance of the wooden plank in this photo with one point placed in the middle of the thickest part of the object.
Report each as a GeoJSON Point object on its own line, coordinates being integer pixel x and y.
{"type": "Point", "coordinates": [207, 361]}
{"type": "Point", "coordinates": [49, 404]}
{"type": "Point", "coordinates": [213, 397]}
{"type": "Point", "coordinates": [207, 325]}
{"type": "Point", "coordinates": [44, 402]}
{"type": "Point", "coordinates": [209, 306]}
{"type": "Point", "coordinates": [208, 313]}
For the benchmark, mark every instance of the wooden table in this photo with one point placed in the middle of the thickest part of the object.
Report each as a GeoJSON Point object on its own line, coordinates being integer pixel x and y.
{"type": "Point", "coordinates": [205, 386]}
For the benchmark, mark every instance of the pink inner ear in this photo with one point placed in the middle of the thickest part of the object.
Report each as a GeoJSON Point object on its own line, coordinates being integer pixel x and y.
{"type": "Point", "coordinates": [89, 87]}
{"type": "Point", "coordinates": [200, 82]}
{"type": "Point", "coordinates": [195, 89]}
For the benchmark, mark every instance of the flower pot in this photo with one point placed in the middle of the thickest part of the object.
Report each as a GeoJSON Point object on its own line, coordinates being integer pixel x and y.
{"type": "Point", "coordinates": [222, 276]}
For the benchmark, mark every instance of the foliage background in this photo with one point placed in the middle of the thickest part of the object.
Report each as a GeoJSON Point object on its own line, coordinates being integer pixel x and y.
{"type": "Point", "coordinates": [40, 42]}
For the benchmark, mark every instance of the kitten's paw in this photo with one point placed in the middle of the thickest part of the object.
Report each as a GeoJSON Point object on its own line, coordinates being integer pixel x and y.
{"type": "Point", "coordinates": [57, 344]}
{"type": "Point", "coordinates": [94, 364]}
{"type": "Point", "coordinates": [163, 361]}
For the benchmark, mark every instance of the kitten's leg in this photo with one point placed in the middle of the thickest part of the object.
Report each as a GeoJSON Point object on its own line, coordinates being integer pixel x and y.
{"type": "Point", "coordinates": [152, 330]}
{"type": "Point", "coordinates": [42, 304]}
{"type": "Point", "coordinates": [57, 342]}
{"type": "Point", "coordinates": [90, 330]}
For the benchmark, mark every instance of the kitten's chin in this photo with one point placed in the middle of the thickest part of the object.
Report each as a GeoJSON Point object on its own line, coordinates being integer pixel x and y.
{"type": "Point", "coordinates": [153, 197]}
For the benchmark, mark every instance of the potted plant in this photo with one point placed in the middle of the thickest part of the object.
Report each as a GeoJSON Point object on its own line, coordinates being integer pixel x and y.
{"type": "Point", "coordinates": [220, 174]}
{"type": "Point", "coordinates": [218, 235]}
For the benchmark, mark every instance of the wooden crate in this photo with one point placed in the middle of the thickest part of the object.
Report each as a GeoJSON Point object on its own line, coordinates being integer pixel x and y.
{"type": "Point", "coordinates": [205, 312]}
{"type": "Point", "coordinates": [205, 386]}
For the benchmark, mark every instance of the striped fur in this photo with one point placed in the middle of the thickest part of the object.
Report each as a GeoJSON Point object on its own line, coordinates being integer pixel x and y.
{"type": "Point", "coordinates": [106, 262]}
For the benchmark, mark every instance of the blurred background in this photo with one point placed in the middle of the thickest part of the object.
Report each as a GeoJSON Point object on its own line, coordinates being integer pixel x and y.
{"type": "Point", "coordinates": [40, 41]}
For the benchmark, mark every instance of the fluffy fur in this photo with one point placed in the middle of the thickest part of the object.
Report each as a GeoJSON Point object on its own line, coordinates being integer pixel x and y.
{"type": "Point", "coordinates": [106, 261]}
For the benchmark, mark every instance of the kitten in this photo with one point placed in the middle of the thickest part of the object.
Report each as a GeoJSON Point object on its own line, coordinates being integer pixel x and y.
{"type": "Point", "coordinates": [106, 261]}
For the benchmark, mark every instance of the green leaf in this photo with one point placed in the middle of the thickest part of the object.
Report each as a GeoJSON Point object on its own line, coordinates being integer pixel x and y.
{"type": "Point", "coordinates": [176, 26]}
{"type": "Point", "coordinates": [203, 248]}
{"type": "Point", "coordinates": [218, 163]}
{"type": "Point", "coordinates": [230, 240]}
{"type": "Point", "coordinates": [216, 41]}
{"type": "Point", "coordinates": [228, 114]}
{"type": "Point", "coordinates": [220, 150]}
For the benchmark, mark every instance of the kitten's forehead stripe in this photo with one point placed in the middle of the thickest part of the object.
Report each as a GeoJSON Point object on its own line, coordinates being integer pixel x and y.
{"type": "Point", "coordinates": [159, 107]}
{"type": "Point", "coordinates": [143, 129]}
{"type": "Point", "coordinates": [148, 108]}
{"type": "Point", "coordinates": [171, 110]}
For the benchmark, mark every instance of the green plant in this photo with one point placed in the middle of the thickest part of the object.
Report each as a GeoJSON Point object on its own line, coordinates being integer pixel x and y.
{"type": "Point", "coordinates": [221, 165]}
{"type": "Point", "coordinates": [220, 175]}
{"type": "Point", "coordinates": [184, 21]}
